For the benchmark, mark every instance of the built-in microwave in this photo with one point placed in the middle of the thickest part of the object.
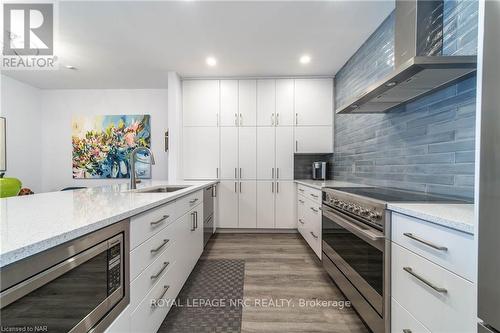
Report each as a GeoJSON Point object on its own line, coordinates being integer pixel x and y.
{"type": "Point", "coordinates": [79, 286]}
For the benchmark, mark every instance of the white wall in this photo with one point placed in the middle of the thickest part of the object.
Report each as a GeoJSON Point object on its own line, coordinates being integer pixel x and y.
{"type": "Point", "coordinates": [21, 107]}
{"type": "Point", "coordinates": [58, 108]}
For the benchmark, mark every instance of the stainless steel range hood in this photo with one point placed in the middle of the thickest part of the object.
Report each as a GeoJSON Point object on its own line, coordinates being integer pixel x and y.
{"type": "Point", "coordinates": [420, 67]}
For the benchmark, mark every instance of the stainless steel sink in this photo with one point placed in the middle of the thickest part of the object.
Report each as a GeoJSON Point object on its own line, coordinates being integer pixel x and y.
{"type": "Point", "coordinates": [160, 189]}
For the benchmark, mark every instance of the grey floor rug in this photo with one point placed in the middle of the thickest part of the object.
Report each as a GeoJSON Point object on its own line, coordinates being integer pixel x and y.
{"type": "Point", "coordinates": [208, 300]}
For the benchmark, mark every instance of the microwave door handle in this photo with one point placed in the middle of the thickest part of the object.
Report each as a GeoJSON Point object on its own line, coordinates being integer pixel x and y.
{"type": "Point", "coordinates": [19, 290]}
{"type": "Point", "coordinates": [352, 227]}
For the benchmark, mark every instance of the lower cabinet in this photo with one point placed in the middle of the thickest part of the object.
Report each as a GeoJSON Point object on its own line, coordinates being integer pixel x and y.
{"type": "Point", "coordinates": [161, 264]}
{"type": "Point", "coordinates": [275, 201]}
{"type": "Point", "coordinates": [228, 204]}
{"type": "Point", "coordinates": [247, 204]}
{"type": "Point", "coordinates": [309, 217]}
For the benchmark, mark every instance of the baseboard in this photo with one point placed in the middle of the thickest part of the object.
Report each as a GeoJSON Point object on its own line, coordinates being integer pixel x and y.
{"type": "Point", "coordinates": [254, 231]}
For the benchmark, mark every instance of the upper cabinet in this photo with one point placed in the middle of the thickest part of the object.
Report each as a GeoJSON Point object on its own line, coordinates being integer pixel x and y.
{"type": "Point", "coordinates": [247, 102]}
{"type": "Point", "coordinates": [200, 102]}
{"type": "Point", "coordinates": [284, 102]}
{"type": "Point", "coordinates": [313, 102]}
{"type": "Point", "coordinates": [229, 103]}
{"type": "Point", "coordinates": [266, 102]}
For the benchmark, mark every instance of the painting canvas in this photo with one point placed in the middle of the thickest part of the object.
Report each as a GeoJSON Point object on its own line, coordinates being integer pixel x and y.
{"type": "Point", "coordinates": [102, 145]}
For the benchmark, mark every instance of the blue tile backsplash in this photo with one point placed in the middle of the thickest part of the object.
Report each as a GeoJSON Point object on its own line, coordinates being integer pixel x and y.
{"type": "Point", "coordinates": [426, 145]}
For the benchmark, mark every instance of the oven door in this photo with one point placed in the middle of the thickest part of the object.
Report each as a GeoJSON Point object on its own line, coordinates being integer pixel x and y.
{"type": "Point", "coordinates": [71, 296]}
{"type": "Point", "coordinates": [357, 250]}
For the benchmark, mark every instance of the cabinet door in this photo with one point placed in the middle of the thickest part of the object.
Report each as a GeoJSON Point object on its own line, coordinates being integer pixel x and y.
{"type": "Point", "coordinates": [247, 210]}
{"type": "Point", "coordinates": [247, 102]}
{"type": "Point", "coordinates": [314, 102]}
{"type": "Point", "coordinates": [195, 242]}
{"type": "Point", "coordinates": [228, 204]}
{"type": "Point", "coordinates": [265, 153]}
{"type": "Point", "coordinates": [228, 152]}
{"type": "Point", "coordinates": [247, 152]}
{"type": "Point", "coordinates": [285, 204]}
{"type": "Point", "coordinates": [200, 102]}
{"type": "Point", "coordinates": [314, 139]}
{"type": "Point", "coordinates": [265, 204]}
{"type": "Point", "coordinates": [229, 103]}
{"type": "Point", "coordinates": [284, 102]}
{"type": "Point", "coordinates": [266, 102]}
{"type": "Point", "coordinates": [284, 153]}
{"type": "Point", "coordinates": [201, 152]}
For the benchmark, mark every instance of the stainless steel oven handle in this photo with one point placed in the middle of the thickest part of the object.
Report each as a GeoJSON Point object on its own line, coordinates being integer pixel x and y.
{"type": "Point", "coordinates": [165, 289]}
{"type": "Point", "coordinates": [410, 271]}
{"type": "Point", "coordinates": [157, 275]}
{"type": "Point", "coordinates": [425, 242]}
{"type": "Point", "coordinates": [357, 230]}
{"type": "Point", "coordinates": [154, 223]}
{"type": "Point", "coordinates": [155, 250]}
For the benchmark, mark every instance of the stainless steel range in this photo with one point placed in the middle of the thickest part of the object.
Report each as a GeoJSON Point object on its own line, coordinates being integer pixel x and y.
{"type": "Point", "coordinates": [356, 246]}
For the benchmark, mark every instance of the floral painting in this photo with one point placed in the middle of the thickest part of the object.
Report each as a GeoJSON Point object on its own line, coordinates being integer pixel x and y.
{"type": "Point", "coordinates": [102, 145]}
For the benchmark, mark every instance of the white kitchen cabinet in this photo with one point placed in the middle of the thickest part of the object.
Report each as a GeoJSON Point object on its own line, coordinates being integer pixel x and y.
{"type": "Point", "coordinates": [200, 102]}
{"type": "Point", "coordinates": [403, 321]}
{"type": "Point", "coordinates": [265, 204]}
{"type": "Point", "coordinates": [309, 216]}
{"type": "Point", "coordinates": [285, 200]}
{"type": "Point", "coordinates": [229, 103]}
{"type": "Point", "coordinates": [266, 153]}
{"type": "Point", "coordinates": [266, 102]}
{"type": "Point", "coordinates": [285, 102]}
{"type": "Point", "coordinates": [313, 102]}
{"type": "Point", "coordinates": [228, 204]}
{"type": "Point", "coordinates": [284, 153]}
{"type": "Point", "coordinates": [201, 152]}
{"type": "Point", "coordinates": [229, 152]}
{"type": "Point", "coordinates": [247, 204]}
{"type": "Point", "coordinates": [247, 153]}
{"type": "Point", "coordinates": [314, 139]}
{"type": "Point", "coordinates": [247, 102]}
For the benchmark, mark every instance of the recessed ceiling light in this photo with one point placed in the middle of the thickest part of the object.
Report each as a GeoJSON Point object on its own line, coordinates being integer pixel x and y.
{"type": "Point", "coordinates": [211, 61]}
{"type": "Point", "coordinates": [70, 67]}
{"type": "Point", "coordinates": [305, 59]}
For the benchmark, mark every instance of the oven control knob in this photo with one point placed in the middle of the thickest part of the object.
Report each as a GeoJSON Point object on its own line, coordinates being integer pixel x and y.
{"type": "Point", "coordinates": [356, 209]}
{"type": "Point", "coordinates": [364, 212]}
{"type": "Point", "coordinates": [350, 207]}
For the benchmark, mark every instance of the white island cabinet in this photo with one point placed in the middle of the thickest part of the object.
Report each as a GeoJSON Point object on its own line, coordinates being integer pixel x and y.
{"type": "Point", "coordinates": [165, 244]}
{"type": "Point", "coordinates": [432, 277]}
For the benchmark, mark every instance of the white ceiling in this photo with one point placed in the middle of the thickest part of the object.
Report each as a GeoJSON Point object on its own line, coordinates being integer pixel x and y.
{"type": "Point", "coordinates": [133, 44]}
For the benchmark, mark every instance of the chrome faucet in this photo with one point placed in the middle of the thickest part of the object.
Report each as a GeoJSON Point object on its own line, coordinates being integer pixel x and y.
{"type": "Point", "coordinates": [133, 157]}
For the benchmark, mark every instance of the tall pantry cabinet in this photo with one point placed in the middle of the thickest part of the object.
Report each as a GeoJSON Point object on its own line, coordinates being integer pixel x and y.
{"type": "Point", "coordinates": [245, 133]}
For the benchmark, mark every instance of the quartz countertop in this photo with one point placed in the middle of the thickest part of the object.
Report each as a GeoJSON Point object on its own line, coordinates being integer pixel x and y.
{"type": "Point", "coordinates": [34, 223]}
{"type": "Point", "coordinates": [320, 184]}
{"type": "Point", "coordinates": [455, 216]}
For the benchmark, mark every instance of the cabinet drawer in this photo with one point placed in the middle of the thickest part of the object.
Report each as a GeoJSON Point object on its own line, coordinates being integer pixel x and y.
{"type": "Point", "coordinates": [402, 321]}
{"type": "Point", "coordinates": [145, 225]}
{"type": "Point", "coordinates": [454, 250]}
{"type": "Point", "coordinates": [309, 193]}
{"type": "Point", "coordinates": [152, 274]}
{"type": "Point", "coordinates": [414, 283]}
{"type": "Point", "coordinates": [143, 255]}
{"type": "Point", "coordinates": [188, 202]}
{"type": "Point", "coordinates": [148, 318]}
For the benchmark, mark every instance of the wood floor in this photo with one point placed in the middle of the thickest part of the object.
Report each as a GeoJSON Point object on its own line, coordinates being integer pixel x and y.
{"type": "Point", "coordinates": [282, 267]}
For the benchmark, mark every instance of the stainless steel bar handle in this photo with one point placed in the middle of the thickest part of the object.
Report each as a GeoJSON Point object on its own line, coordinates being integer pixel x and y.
{"type": "Point", "coordinates": [193, 227]}
{"type": "Point", "coordinates": [235, 119]}
{"type": "Point", "coordinates": [165, 289]}
{"type": "Point", "coordinates": [241, 119]}
{"type": "Point", "coordinates": [301, 189]}
{"type": "Point", "coordinates": [193, 201]}
{"type": "Point", "coordinates": [155, 250]}
{"type": "Point", "coordinates": [410, 271]}
{"type": "Point", "coordinates": [315, 237]}
{"type": "Point", "coordinates": [277, 173]}
{"type": "Point", "coordinates": [301, 221]}
{"type": "Point", "coordinates": [314, 209]}
{"type": "Point", "coordinates": [240, 173]}
{"type": "Point", "coordinates": [157, 275]}
{"type": "Point", "coordinates": [272, 119]}
{"type": "Point", "coordinates": [240, 187]}
{"type": "Point", "coordinates": [301, 201]}
{"type": "Point", "coordinates": [272, 187]}
{"type": "Point", "coordinates": [216, 172]}
{"type": "Point", "coordinates": [277, 187]}
{"type": "Point", "coordinates": [235, 173]}
{"type": "Point", "coordinates": [196, 220]}
{"type": "Point", "coordinates": [425, 242]}
{"type": "Point", "coordinates": [406, 330]}
{"type": "Point", "coordinates": [272, 173]}
{"type": "Point", "coordinates": [235, 185]}
{"type": "Point", "coordinates": [277, 119]}
{"type": "Point", "coordinates": [159, 221]}
{"type": "Point", "coordinates": [296, 118]}
{"type": "Point", "coordinates": [313, 195]}
{"type": "Point", "coordinates": [296, 145]}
